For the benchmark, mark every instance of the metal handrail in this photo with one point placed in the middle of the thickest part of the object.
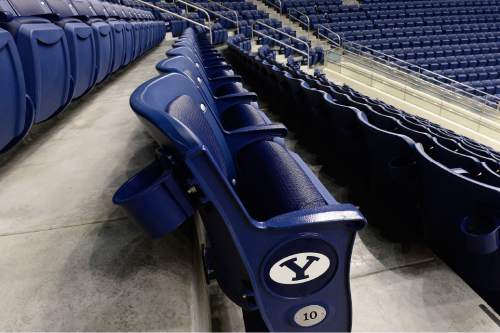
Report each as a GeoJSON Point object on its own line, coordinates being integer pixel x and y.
{"type": "Point", "coordinates": [327, 37]}
{"type": "Point", "coordinates": [201, 9]}
{"type": "Point", "coordinates": [280, 7]}
{"type": "Point", "coordinates": [444, 93]}
{"type": "Point", "coordinates": [429, 75]}
{"type": "Point", "coordinates": [288, 35]}
{"type": "Point", "coordinates": [298, 18]}
{"type": "Point", "coordinates": [280, 42]}
{"type": "Point", "coordinates": [209, 28]}
{"type": "Point", "coordinates": [231, 10]}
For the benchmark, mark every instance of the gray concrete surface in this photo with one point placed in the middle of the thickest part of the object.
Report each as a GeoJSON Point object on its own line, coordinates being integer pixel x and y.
{"type": "Point", "coordinates": [71, 261]}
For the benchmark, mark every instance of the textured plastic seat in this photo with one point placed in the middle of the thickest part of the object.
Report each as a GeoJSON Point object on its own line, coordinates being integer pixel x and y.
{"type": "Point", "coordinates": [115, 14]}
{"type": "Point", "coordinates": [461, 222]}
{"type": "Point", "coordinates": [137, 28]}
{"type": "Point", "coordinates": [168, 116]}
{"type": "Point", "coordinates": [16, 115]}
{"type": "Point", "coordinates": [235, 106]}
{"type": "Point", "coordinates": [117, 33]}
{"type": "Point", "coordinates": [82, 46]}
{"type": "Point", "coordinates": [44, 53]}
{"type": "Point", "coordinates": [102, 36]}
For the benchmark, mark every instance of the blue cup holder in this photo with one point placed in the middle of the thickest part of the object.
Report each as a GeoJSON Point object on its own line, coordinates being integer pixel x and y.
{"type": "Point", "coordinates": [154, 200]}
{"type": "Point", "coordinates": [482, 235]}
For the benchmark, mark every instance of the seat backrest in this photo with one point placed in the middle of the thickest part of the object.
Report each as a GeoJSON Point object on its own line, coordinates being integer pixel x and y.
{"type": "Point", "coordinates": [31, 8]}
{"type": "Point", "coordinates": [99, 8]}
{"type": "Point", "coordinates": [83, 8]}
{"type": "Point", "coordinates": [13, 118]}
{"type": "Point", "coordinates": [174, 101]}
{"type": "Point", "coordinates": [62, 8]}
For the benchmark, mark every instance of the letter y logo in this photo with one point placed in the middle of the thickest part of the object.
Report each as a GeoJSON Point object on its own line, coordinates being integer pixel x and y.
{"type": "Point", "coordinates": [300, 272]}
{"type": "Point", "coordinates": [299, 268]}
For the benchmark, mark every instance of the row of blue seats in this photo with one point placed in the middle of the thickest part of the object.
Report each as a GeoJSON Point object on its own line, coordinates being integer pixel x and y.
{"type": "Point", "coordinates": [450, 40]}
{"type": "Point", "coordinates": [409, 176]}
{"type": "Point", "coordinates": [478, 15]}
{"type": "Point", "coordinates": [417, 31]}
{"type": "Point", "coordinates": [452, 62]}
{"type": "Point", "coordinates": [433, 14]}
{"type": "Point", "coordinates": [440, 51]}
{"type": "Point", "coordinates": [220, 155]}
{"type": "Point", "coordinates": [377, 22]}
{"type": "Point", "coordinates": [238, 6]}
{"type": "Point", "coordinates": [427, 4]}
{"type": "Point", "coordinates": [54, 51]}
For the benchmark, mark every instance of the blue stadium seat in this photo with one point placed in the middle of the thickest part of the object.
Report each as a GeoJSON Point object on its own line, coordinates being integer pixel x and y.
{"type": "Point", "coordinates": [43, 48]}
{"type": "Point", "coordinates": [16, 116]}
{"type": "Point", "coordinates": [102, 36]}
{"type": "Point", "coordinates": [116, 14]}
{"type": "Point", "coordinates": [117, 33]}
{"type": "Point", "coordinates": [241, 204]}
{"type": "Point", "coordinates": [461, 222]}
{"type": "Point", "coordinates": [82, 46]}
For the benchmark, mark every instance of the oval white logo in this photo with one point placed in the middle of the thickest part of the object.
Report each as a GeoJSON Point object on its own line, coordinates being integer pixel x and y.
{"type": "Point", "coordinates": [299, 268]}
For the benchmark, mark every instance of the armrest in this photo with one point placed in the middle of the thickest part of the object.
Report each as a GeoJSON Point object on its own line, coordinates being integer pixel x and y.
{"type": "Point", "coordinates": [212, 56]}
{"type": "Point", "coordinates": [219, 81]}
{"type": "Point", "coordinates": [214, 62]}
{"type": "Point", "coordinates": [338, 213]}
{"type": "Point", "coordinates": [227, 101]}
{"type": "Point", "coordinates": [242, 137]}
{"type": "Point", "coordinates": [218, 67]}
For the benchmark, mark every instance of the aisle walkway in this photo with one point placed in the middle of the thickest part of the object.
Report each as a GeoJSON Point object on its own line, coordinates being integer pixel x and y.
{"type": "Point", "coordinates": [71, 261]}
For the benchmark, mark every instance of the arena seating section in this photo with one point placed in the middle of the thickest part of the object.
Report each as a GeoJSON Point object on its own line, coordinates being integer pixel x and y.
{"type": "Point", "coordinates": [248, 15]}
{"type": "Point", "coordinates": [220, 155]}
{"type": "Point", "coordinates": [408, 175]}
{"type": "Point", "coordinates": [53, 51]}
{"type": "Point", "coordinates": [457, 39]}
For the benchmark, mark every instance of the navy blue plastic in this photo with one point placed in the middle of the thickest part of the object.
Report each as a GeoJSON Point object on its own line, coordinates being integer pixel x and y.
{"type": "Point", "coordinates": [103, 38]}
{"type": "Point", "coordinates": [117, 34]}
{"type": "Point", "coordinates": [237, 231]}
{"type": "Point", "coordinates": [128, 34]}
{"type": "Point", "coordinates": [154, 200]}
{"type": "Point", "coordinates": [436, 187]}
{"type": "Point", "coordinates": [16, 115]}
{"type": "Point", "coordinates": [42, 47]}
{"type": "Point", "coordinates": [81, 44]}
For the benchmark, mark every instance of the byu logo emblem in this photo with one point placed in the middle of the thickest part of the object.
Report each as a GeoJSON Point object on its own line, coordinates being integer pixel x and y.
{"type": "Point", "coordinates": [299, 268]}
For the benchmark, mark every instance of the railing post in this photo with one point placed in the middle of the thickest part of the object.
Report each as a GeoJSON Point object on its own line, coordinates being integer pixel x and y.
{"type": "Point", "coordinates": [209, 28]}
{"type": "Point", "coordinates": [308, 54]}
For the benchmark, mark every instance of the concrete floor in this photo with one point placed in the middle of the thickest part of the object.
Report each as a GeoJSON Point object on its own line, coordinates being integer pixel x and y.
{"type": "Point", "coordinates": [73, 262]}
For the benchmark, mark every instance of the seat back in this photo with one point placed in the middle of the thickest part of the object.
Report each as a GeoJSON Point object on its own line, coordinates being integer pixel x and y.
{"type": "Point", "coordinates": [103, 38]}
{"type": "Point", "coordinates": [462, 223]}
{"type": "Point", "coordinates": [16, 115]}
{"type": "Point", "coordinates": [42, 48]}
{"type": "Point", "coordinates": [82, 46]}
